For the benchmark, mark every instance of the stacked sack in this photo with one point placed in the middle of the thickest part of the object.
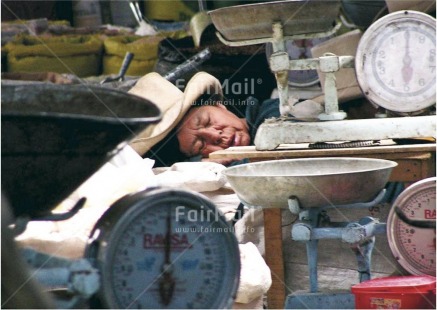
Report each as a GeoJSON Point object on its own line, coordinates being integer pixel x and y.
{"type": "Point", "coordinates": [75, 54]}
{"type": "Point", "coordinates": [144, 48]}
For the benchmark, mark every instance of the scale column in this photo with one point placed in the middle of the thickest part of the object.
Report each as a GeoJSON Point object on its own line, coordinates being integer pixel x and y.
{"type": "Point", "coordinates": [312, 253]}
{"type": "Point", "coordinates": [329, 64]}
{"type": "Point", "coordinates": [279, 63]}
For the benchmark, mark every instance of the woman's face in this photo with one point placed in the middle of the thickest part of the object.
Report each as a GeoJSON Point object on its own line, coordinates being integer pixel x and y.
{"type": "Point", "coordinates": [207, 129]}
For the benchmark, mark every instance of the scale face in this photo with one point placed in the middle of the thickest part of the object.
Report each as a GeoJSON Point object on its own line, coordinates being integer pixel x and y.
{"type": "Point", "coordinates": [395, 62]}
{"type": "Point", "coordinates": [165, 249]}
{"type": "Point", "coordinates": [413, 247]}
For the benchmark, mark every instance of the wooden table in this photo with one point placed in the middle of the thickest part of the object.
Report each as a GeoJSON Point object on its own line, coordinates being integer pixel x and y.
{"type": "Point", "coordinates": [415, 162]}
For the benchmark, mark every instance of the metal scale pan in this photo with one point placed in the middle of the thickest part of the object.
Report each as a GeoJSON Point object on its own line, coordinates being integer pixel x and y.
{"type": "Point", "coordinates": [54, 137]}
{"type": "Point", "coordinates": [252, 23]}
{"type": "Point", "coordinates": [316, 182]}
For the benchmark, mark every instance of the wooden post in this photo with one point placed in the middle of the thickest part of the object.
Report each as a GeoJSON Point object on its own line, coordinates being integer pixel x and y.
{"type": "Point", "coordinates": [274, 258]}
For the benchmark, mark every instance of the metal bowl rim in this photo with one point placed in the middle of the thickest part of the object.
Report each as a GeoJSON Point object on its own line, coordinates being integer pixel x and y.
{"type": "Point", "coordinates": [115, 119]}
{"type": "Point", "coordinates": [230, 171]}
{"type": "Point", "coordinates": [98, 90]}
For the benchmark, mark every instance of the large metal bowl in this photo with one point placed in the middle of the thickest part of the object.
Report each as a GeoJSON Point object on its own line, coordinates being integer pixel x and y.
{"type": "Point", "coordinates": [54, 137]}
{"type": "Point", "coordinates": [317, 182]}
{"type": "Point", "coordinates": [254, 21]}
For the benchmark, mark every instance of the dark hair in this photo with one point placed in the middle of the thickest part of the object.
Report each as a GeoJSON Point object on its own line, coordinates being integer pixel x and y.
{"type": "Point", "coordinates": [166, 152]}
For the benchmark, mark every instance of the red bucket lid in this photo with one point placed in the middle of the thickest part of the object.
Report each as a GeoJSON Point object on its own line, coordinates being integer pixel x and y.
{"type": "Point", "coordinates": [398, 284]}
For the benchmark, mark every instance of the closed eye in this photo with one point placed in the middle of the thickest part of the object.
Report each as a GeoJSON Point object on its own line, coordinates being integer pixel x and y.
{"type": "Point", "coordinates": [198, 146]}
{"type": "Point", "coordinates": [206, 122]}
{"type": "Point", "coordinates": [202, 146]}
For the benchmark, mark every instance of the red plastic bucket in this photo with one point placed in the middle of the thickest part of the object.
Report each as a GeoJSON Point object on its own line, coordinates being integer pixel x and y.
{"type": "Point", "coordinates": [403, 292]}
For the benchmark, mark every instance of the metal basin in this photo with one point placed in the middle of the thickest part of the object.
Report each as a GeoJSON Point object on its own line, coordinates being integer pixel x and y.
{"type": "Point", "coordinates": [254, 21]}
{"type": "Point", "coordinates": [317, 182]}
{"type": "Point", "coordinates": [54, 137]}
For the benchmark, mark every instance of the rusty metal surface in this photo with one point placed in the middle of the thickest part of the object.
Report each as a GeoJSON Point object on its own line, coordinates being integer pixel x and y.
{"type": "Point", "coordinates": [254, 21]}
{"type": "Point", "coordinates": [317, 182]}
{"type": "Point", "coordinates": [54, 137]}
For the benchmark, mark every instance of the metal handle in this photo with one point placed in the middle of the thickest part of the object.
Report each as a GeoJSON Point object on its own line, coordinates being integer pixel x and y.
{"type": "Point", "coordinates": [188, 65]}
{"type": "Point", "coordinates": [179, 71]}
{"type": "Point", "coordinates": [415, 223]}
{"type": "Point", "coordinates": [125, 65]}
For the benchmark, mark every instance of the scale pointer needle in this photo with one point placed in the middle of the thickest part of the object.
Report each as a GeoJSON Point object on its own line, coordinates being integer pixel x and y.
{"type": "Point", "coordinates": [167, 282]}
{"type": "Point", "coordinates": [407, 70]}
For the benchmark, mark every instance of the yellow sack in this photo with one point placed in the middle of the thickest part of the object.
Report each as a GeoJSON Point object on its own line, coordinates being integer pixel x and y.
{"type": "Point", "coordinates": [170, 10]}
{"type": "Point", "coordinates": [79, 55]}
{"type": "Point", "coordinates": [112, 65]}
{"type": "Point", "coordinates": [145, 50]}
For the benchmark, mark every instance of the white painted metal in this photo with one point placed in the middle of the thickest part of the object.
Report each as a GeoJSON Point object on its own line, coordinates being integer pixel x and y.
{"type": "Point", "coordinates": [395, 62]}
{"type": "Point", "coordinates": [274, 132]}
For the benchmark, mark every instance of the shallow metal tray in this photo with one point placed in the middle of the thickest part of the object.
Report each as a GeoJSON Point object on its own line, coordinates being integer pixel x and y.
{"type": "Point", "coordinates": [254, 21]}
{"type": "Point", "coordinates": [317, 182]}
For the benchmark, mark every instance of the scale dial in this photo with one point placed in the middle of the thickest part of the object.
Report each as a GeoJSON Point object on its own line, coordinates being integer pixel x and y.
{"type": "Point", "coordinates": [165, 249]}
{"type": "Point", "coordinates": [413, 247]}
{"type": "Point", "coordinates": [395, 62]}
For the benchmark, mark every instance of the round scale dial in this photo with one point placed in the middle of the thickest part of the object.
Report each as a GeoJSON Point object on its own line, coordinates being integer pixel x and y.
{"type": "Point", "coordinates": [413, 245]}
{"type": "Point", "coordinates": [395, 62]}
{"type": "Point", "coordinates": [165, 249]}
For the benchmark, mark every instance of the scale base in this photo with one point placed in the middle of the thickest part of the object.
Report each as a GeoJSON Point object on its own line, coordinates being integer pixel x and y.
{"type": "Point", "coordinates": [274, 132]}
{"type": "Point", "coordinates": [321, 300]}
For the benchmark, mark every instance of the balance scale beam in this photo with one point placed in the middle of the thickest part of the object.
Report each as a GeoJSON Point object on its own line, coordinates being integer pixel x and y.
{"type": "Point", "coordinates": [274, 132]}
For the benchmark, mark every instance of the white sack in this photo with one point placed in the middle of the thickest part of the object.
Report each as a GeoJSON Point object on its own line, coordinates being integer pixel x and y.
{"type": "Point", "coordinates": [255, 277]}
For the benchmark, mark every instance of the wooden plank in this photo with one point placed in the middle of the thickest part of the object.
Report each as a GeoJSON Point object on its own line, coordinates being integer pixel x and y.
{"type": "Point", "coordinates": [412, 169]}
{"type": "Point", "coordinates": [274, 258]}
{"type": "Point", "coordinates": [251, 153]}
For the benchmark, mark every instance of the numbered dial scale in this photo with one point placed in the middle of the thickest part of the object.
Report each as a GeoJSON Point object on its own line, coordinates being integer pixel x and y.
{"type": "Point", "coordinates": [412, 246]}
{"type": "Point", "coordinates": [395, 62]}
{"type": "Point", "coordinates": [165, 248]}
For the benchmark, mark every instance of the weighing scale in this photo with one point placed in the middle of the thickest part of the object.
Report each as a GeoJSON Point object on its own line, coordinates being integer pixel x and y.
{"type": "Point", "coordinates": [412, 239]}
{"type": "Point", "coordinates": [154, 249]}
{"type": "Point", "coordinates": [310, 187]}
{"type": "Point", "coordinates": [158, 248]}
{"type": "Point", "coordinates": [405, 37]}
{"type": "Point", "coordinates": [164, 248]}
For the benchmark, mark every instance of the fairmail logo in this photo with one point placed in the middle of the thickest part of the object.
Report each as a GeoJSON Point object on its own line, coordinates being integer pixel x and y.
{"type": "Point", "coordinates": [245, 87]}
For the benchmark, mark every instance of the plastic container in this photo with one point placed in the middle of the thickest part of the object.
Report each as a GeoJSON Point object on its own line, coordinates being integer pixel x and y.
{"type": "Point", "coordinates": [401, 292]}
{"type": "Point", "coordinates": [86, 13]}
{"type": "Point", "coordinates": [170, 10]}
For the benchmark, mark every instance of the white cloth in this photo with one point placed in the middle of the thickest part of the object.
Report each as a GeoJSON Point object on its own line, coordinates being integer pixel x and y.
{"type": "Point", "coordinates": [126, 173]}
{"type": "Point", "coordinates": [196, 176]}
{"type": "Point", "coordinates": [255, 276]}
